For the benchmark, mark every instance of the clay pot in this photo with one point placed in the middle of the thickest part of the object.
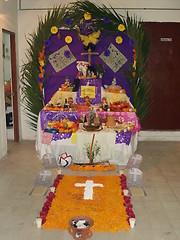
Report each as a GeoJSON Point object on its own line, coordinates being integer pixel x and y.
{"type": "Point", "coordinates": [78, 232]}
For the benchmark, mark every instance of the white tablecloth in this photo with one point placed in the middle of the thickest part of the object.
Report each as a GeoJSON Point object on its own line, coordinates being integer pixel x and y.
{"type": "Point", "coordinates": [117, 154]}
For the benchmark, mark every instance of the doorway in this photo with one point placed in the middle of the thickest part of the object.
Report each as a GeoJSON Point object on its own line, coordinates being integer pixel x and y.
{"type": "Point", "coordinates": [163, 66]}
{"type": "Point", "coordinates": [10, 85]}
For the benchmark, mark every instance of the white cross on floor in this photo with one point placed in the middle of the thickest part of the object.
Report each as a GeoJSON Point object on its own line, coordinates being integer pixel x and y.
{"type": "Point", "coordinates": [88, 190]}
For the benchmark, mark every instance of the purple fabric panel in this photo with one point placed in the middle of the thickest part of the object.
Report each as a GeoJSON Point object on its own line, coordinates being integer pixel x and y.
{"type": "Point", "coordinates": [54, 80]}
{"type": "Point", "coordinates": [92, 82]}
{"type": "Point", "coordinates": [123, 137]}
{"type": "Point", "coordinates": [61, 136]}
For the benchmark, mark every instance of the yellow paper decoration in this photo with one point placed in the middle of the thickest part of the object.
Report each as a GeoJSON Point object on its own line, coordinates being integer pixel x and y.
{"type": "Point", "coordinates": [87, 16]}
{"type": "Point", "coordinates": [74, 137]}
{"type": "Point", "coordinates": [121, 27]}
{"type": "Point", "coordinates": [92, 38]}
{"type": "Point", "coordinates": [54, 30]}
{"type": "Point", "coordinates": [119, 40]}
{"type": "Point", "coordinates": [88, 91]}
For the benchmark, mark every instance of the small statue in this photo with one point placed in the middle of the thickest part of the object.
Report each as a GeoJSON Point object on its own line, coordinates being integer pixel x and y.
{"type": "Point", "coordinates": [99, 69]}
{"type": "Point", "coordinates": [59, 102]}
{"type": "Point", "coordinates": [76, 84]}
{"type": "Point", "coordinates": [114, 81]}
{"type": "Point", "coordinates": [104, 104]}
{"type": "Point", "coordinates": [66, 104]}
{"type": "Point", "coordinates": [82, 68]}
{"type": "Point", "coordinates": [70, 101]}
{"type": "Point", "coordinates": [87, 101]}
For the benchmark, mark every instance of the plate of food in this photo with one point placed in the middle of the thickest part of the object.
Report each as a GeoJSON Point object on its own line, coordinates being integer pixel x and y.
{"type": "Point", "coordinates": [92, 127]}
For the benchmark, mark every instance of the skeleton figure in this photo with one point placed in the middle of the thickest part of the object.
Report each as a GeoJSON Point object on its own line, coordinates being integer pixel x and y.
{"type": "Point", "coordinates": [82, 68]}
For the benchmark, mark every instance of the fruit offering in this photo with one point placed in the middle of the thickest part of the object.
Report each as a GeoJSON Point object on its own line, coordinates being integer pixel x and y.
{"type": "Point", "coordinates": [64, 125]}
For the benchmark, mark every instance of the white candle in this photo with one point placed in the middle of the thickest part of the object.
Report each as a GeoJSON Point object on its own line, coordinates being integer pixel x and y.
{"type": "Point", "coordinates": [38, 222]}
{"type": "Point", "coordinates": [132, 222]}
{"type": "Point", "coordinates": [126, 192]}
{"type": "Point", "coordinates": [52, 189]}
{"type": "Point", "coordinates": [120, 172]}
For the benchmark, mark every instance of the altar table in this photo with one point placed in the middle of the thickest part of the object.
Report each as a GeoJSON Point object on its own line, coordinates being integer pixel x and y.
{"type": "Point", "coordinates": [113, 147]}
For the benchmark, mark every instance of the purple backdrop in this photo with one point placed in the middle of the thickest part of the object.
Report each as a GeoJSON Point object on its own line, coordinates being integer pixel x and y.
{"type": "Point", "coordinates": [54, 80]}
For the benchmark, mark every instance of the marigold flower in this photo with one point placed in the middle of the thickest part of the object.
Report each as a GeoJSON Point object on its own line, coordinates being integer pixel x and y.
{"type": "Point", "coordinates": [40, 86]}
{"type": "Point", "coordinates": [87, 16]}
{"type": "Point", "coordinates": [41, 62]}
{"type": "Point", "coordinates": [104, 220]}
{"type": "Point", "coordinates": [134, 74]}
{"type": "Point", "coordinates": [40, 75]}
{"type": "Point", "coordinates": [54, 30]}
{"type": "Point", "coordinates": [121, 27]}
{"type": "Point", "coordinates": [68, 39]}
{"type": "Point", "coordinates": [134, 64]}
{"type": "Point", "coordinates": [119, 40]}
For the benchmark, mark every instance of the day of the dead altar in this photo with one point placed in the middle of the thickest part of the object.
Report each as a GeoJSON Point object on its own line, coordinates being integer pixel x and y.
{"type": "Point", "coordinates": [85, 95]}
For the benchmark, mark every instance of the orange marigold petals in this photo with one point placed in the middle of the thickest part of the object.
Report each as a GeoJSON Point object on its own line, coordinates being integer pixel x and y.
{"type": "Point", "coordinates": [97, 167]}
{"type": "Point", "coordinates": [110, 216]}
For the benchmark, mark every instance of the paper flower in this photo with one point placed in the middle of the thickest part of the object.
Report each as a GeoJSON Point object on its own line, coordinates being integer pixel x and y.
{"type": "Point", "coordinates": [41, 78]}
{"type": "Point", "coordinates": [106, 53]}
{"type": "Point", "coordinates": [87, 16]}
{"type": "Point", "coordinates": [67, 53]}
{"type": "Point", "coordinates": [47, 44]}
{"type": "Point", "coordinates": [68, 39]}
{"type": "Point", "coordinates": [131, 43]}
{"type": "Point", "coordinates": [106, 20]}
{"type": "Point", "coordinates": [68, 21]}
{"type": "Point", "coordinates": [121, 27]}
{"type": "Point", "coordinates": [119, 40]}
{"type": "Point", "coordinates": [54, 30]}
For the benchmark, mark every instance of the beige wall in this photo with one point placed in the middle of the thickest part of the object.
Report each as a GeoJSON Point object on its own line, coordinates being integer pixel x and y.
{"type": "Point", "coordinates": [8, 21]}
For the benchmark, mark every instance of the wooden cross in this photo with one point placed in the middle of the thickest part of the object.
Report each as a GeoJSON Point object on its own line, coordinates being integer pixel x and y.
{"type": "Point", "coordinates": [89, 53]}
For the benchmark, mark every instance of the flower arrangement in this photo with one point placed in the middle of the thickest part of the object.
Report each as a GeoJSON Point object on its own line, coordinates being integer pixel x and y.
{"type": "Point", "coordinates": [68, 202]}
{"type": "Point", "coordinates": [95, 150]}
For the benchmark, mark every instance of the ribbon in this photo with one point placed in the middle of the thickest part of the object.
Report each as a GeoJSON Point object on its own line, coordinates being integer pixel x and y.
{"type": "Point", "coordinates": [91, 38]}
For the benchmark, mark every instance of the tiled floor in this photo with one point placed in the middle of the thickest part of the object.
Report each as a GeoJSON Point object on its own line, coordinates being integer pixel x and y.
{"type": "Point", "coordinates": [157, 215]}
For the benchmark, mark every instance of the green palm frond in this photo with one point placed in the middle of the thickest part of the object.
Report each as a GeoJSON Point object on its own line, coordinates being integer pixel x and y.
{"type": "Point", "coordinates": [32, 97]}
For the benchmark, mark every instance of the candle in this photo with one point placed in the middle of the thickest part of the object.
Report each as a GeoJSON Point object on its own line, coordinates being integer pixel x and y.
{"type": "Point", "coordinates": [38, 222]}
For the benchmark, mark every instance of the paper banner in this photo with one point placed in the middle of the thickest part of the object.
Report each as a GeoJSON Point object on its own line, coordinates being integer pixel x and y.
{"type": "Point", "coordinates": [88, 91]}
{"type": "Point", "coordinates": [115, 60]}
{"type": "Point", "coordinates": [59, 61]}
{"type": "Point", "coordinates": [47, 138]}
